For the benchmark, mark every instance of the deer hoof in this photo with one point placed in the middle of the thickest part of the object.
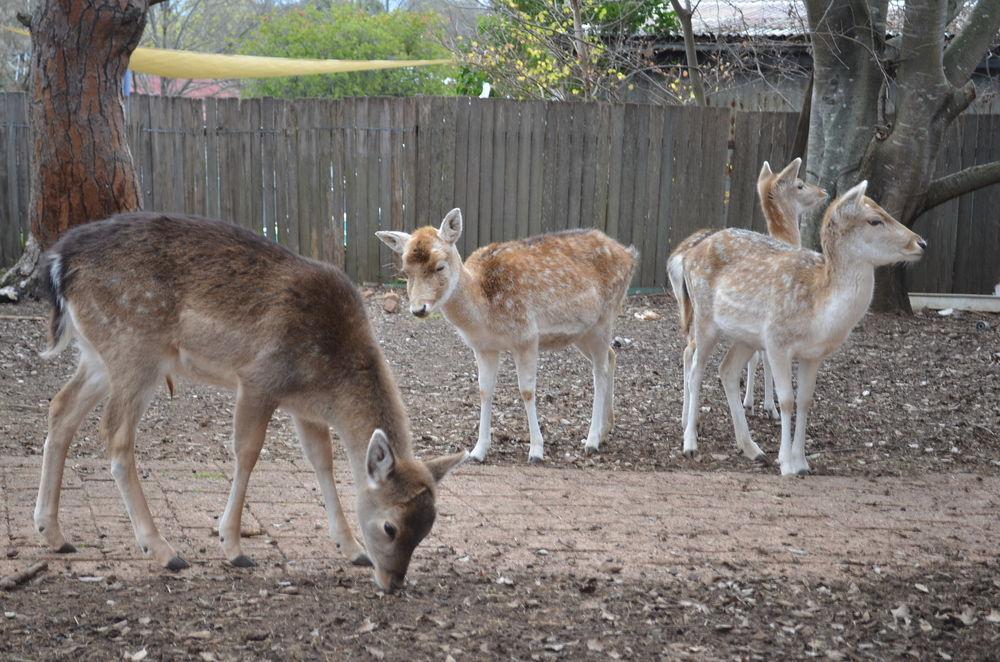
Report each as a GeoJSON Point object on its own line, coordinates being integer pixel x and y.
{"type": "Point", "coordinates": [689, 454]}
{"type": "Point", "coordinates": [177, 563]}
{"type": "Point", "coordinates": [362, 560]}
{"type": "Point", "coordinates": [802, 472]}
{"type": "Point", "coordinates": [534, 459]}
{"type": "Point", "coordinates": [243, 561]}
{"type": "Point", "coordinates": [762, 460]}
{"type": "Point", "coordinates": [66, 548]}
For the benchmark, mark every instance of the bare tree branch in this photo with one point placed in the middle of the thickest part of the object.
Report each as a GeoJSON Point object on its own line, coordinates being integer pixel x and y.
{"type": "Point", "coordinates": [959, 183]}
{"type": "Point", "coordinates": [694, 71]}
{"type": "Point", "coordinates": [966, 50]}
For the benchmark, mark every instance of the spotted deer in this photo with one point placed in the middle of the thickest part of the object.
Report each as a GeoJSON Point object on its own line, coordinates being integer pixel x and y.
{"type": "Point", "coordinates": [795, 304]}
{"type": "Point", "coordinates": [542, 293]}
{"type": "Point", "coordinates": [783, 199]}
{"type": "Point", "coordinates": [149, 297]}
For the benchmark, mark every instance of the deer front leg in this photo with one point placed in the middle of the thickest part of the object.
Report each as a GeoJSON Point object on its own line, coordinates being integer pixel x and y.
{"type": "Point", "coordinates": [317, 448]}
{"type": "Point", "coordinates": [126, 403]}
{"type": "Point", "coordinates": [526, 360]}
{"type": "Point", "coordinates": [487, 363]}
{"type": "Point", "coordinates": [595, 348]}
{"type": "Point", "coordinates": [751, 378]}
{"type": "Point", "coordinates": [781, 368]}
{"type": "Point", "coordinates": [804, 397]}
{"type": "Point", "coordinates": [609, 400]}
{"type": "Point", "coordinates": [67, 410]}
{"type": "Point", "coordinates": [729, 372]}
{"type": "Point", "coordinates": [250, 420]}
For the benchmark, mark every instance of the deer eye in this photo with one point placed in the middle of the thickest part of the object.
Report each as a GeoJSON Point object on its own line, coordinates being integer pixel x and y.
{"type": "Point", "coordinates": [440, 267]}
{"type": "Point", "coordinates": [800, 186]}
{"type": "Point", "coordinates": [874, 222]}
{"type": "Point", "coordinates": [390, 531]}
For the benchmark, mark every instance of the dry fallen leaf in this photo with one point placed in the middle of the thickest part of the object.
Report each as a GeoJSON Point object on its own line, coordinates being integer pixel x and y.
{"type": "Point", "coordinates": [901, 613]}
{"type": "Point", "coordinates": [367, 626]}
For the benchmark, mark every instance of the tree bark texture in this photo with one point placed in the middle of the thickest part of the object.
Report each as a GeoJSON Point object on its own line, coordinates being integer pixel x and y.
{"type": "Point", "coordinates": [850, 139]}
{"type": "Point", "coordinates": [83, 169]}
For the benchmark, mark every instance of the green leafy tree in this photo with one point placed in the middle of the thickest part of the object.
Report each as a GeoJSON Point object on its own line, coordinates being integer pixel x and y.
{"type": "Point", "coordinates": [345, 32]}
{"type": "Point", "coordinates": [565, 49]}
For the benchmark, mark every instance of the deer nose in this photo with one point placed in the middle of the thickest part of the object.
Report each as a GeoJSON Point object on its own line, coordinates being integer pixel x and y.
{"type": "Point", "coordinates": [922, 243]}
{"type": "Point", "coordinates": [419, 312]}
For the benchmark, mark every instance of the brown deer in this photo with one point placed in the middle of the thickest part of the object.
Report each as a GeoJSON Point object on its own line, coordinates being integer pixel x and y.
{"type": "Point", "coordinates": [542, 293]}
{"type": "Point", "coordinates": [151, 296]}
{"type": "Point", "coordinates": [795, 304]}
{"type": "Point", "coordinates": [783, 199]}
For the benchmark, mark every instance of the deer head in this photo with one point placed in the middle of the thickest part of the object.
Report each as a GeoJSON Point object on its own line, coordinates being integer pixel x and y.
{"type": "Point", "coordinates": [396, 506]}
{"type": "Point", "coordinates": [787, 186]}
{"type": "Point", "coordinates": [868, 232]}
{"type": "Point", "coordinates": [430, 261]}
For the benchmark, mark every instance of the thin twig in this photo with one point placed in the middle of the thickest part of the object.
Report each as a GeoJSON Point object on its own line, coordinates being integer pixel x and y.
{"type": "Point", "coordinates": [11, 581]}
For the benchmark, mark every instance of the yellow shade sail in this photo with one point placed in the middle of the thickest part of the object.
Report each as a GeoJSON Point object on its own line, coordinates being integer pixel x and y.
{"type": "Point", "coordinates": [189, 64]}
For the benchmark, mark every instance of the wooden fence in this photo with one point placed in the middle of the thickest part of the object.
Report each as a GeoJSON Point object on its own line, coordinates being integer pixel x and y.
{"type": "Point", "coordinates": [322, 176]}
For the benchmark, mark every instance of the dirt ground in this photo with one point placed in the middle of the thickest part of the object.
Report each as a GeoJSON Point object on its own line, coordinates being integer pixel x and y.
{"type": "Point", "coordinates": [904, 397]}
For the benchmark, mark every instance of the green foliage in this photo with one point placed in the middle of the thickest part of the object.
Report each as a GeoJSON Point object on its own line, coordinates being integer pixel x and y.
{"type": "Point", "coordinates": [345, 32]}
{"type": "Point", "coordinates": [529, 49]}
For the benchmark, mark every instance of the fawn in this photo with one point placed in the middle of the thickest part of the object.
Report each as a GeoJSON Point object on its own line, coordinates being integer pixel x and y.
{"type": "Point", "coordinates": [794, 304]}
{"type": "Point", "coordinates": [545, 292]}
{"type": "Point", "coordinates": [150, 296]}
{"type": "Point", "coordinates": [783, 199]}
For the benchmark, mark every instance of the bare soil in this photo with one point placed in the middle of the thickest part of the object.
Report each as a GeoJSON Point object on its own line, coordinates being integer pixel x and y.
{"type": "Point", "coordinates": [904, 395]}
{"type": "Point", "coordinates": [942, 614]}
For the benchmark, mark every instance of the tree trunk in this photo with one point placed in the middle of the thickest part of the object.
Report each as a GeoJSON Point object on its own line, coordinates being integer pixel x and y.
{"type": "Point", "coordinates": [82, 168]}
{"type": "Point", "coordinates": [890, 291]}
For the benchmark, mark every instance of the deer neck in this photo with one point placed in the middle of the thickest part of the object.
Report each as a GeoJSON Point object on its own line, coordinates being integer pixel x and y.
{"type": "Point", "coordinates": [370, 401]}
{"type": "Point", "coordinates": [465, 308]}
{"type": "Point", "coordinates": [782, 220]}
{"type": "Point", "coordinates": [847, 285]}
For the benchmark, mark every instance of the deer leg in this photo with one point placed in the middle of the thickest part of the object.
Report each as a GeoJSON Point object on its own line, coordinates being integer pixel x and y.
{"type": "Point", "coordinates": [781, 368]}
{"type": "Point", "coordinates": [250, 418]}
{"type": "Point", "coordinates": [609, 400]}
{"type": "Point", "coordinates": [487, 362]}
{"type": "Point", "coordinates": [596, 349]}
{"type": "Point", "coordinates": [68, 409]}
{"type": "Point", "coordinates": [317, 448]}
{"type": "Point", "coordinates": [804, 397]}
{"type": "Point", "coordinates": [702, 348]}
{"type": "Point", "coordinates": [769, 392]}
{"type": "Point", "coordinates": [526, 360]}
{"type": "Point", "coordinates": [130, 394]}
{"type": "Point", "coordinates": [688, 353]}
{"type": "Point", "coordinates": [729, 373]}
{"type": "Point", "coordinates": [751, 377]}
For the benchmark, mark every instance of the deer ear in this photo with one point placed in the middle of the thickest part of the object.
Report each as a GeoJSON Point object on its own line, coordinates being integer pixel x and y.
{"type": "Point", "coordinates": [791, 170]}
{"type": "Point", "coordinates": [380, 460]}
{"type": "Point", "coordinates": [765, 171]}
{"type": "Point", "coordinates": [451, 226]}
{"type": "Point", "coordinates": [855, 196]}
{"type": "Point", "coordinates": [394, 240]}
{"type": "Point", "coordinates": [444, 465]}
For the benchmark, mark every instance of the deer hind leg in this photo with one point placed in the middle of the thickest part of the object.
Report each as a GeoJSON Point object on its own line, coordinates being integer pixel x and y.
{"type": "Point", "coordinates": [751, 378]}
{"type": "Point", "coordinates": [250, 418]}
{"type": "Point", "coordinates": [609, 410]}
{"type": "Point", "coordinates": [781, 368]}
{"type": "Point", "coordinates": [66, 412]}
{"type": "Point", "coordinates": [595, 347]}
{"type": "Point", "coordinates": [688, 354]}
{"type": "Point", "coordinates": [317, 448]}
{"type": "Point", "coordinates": [729, 373]}
{"type": "Point", "coordinates": [526, 361]}
{"type": "Point", "coordinates": [769, 407]}
{"type": "Point", "coordinates": [704, 343]}
{"type": "Point", "coordinates": [487, 362]}
{"type": "Point", "coordinates": [130, 394]}
{"type": "Point", "coordinates": [803, 403]}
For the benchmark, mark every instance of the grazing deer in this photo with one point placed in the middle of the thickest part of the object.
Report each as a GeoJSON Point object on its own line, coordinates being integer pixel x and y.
{"type": "Point", "coordinates": [783, 199]}
{"type": "Point", "coordinates": [795, 304]}
{"type": "Point", "coordinates": [545, 292]}
{"type": "Point", "coordinates": [149, 296]}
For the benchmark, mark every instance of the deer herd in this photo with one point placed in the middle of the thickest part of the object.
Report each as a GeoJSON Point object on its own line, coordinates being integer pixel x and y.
{"type": "Point", "coordinates": [148, 297]}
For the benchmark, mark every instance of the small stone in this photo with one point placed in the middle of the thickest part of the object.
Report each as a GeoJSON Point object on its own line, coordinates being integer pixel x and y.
{"type": "Point", "coordinates": [390, 302]}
